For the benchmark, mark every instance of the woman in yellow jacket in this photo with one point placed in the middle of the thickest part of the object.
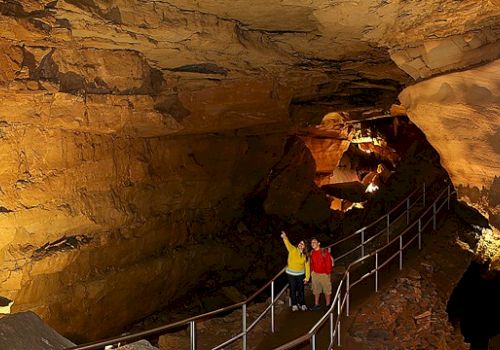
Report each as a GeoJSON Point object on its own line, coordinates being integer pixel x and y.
{"type": "Point", "coordinates": [297, 271]}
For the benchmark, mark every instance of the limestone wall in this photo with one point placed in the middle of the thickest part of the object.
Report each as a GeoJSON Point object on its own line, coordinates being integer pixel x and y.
{"type": "Point", "coordinates": [460, 115]}
{"type": "Point", "coordinates": [117, 224]}
{"type": "Point", "coordinates": [131, 131]}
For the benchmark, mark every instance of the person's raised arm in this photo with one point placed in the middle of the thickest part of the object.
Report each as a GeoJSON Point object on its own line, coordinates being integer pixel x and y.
{"type": "Point", "coordinates": [288, 245]}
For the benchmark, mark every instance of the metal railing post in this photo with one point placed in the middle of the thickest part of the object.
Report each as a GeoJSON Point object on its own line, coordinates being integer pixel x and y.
{"type": "Point", "coordinates": [347, 294]}
{"type": "Point", "coordinates": [401, 252]}
{"type": "Point", "coordinates": [338, 319]}
{"type": "Point", "coordinates": [289, 295]}
{"type": "Point", "coordinates": [272, 307]}
{"type": "Point", "coordinates": [423, 195]}
{"type": "Point", "coordinates": [244, 325]}
{"type": "Point", "coordinates": [388, 222]}
{"type": "Point", "coordinates": [334, 327]}
{"type": "Point", "coordinates": [419, 234]}
{"type": "Point", "coordinates": [192, 335]}
{"type": "Point", "coordinates": [408, 210]}
{"type": "Point", "coordinates": [363, 243]}
{"type": "Point", "coordinates": [449, 194]}
{"type": "Point", "coordinates": [434, 216]}
{"type": "Point", "coordinates": [331, 327]}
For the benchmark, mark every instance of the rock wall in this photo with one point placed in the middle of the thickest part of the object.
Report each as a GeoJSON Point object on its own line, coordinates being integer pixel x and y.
{"type": "Point", "coordinates": [105, 214]}
{"type": "Point", "coordinates": [132, 130]}
{"type": "Point", "coordinates": [460, 115]}
{"type": "Point", "coordinates": [117, 223]}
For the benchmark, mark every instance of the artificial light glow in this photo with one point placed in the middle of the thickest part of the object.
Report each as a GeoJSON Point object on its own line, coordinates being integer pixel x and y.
{"type": "Point", "coordinates": [366, 150]}
{"type": "Point", "coordinates": [371, 188]}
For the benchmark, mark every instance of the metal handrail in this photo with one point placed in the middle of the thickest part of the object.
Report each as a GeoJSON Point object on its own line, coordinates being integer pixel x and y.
{"type": "Point", "coordinates": [191, 321]}
{"type": "Point", "coordinates": [185, 322]}
{"type": "Point", "coordinates": [335, 330]}
{"type": "Point", "coordinates": [385, 230]}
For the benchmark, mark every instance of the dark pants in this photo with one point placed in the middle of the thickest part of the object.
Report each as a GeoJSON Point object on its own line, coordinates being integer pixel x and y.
{"type": "Point", "coordinates": [297, 289]}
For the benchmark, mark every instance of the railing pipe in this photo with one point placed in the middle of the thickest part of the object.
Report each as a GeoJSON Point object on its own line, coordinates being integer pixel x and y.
{"type": "Point", "coordinates": [362, 242]}
{"type": "Point", "coordinates": [423, 195]}
{"type": "Point", "coordinates": [244, 325]}
{"type": "Point", "coordinates": [313, 342]}
{"type": "Point", "coordinates": [191, 322]}
{"type": "Point", "coordinates": [419, 234]}
{"type": "Point", "coordinates": [313, 331]}
{"type": "Point", "coordinates": [408, 211]}
{"type": "Point", "coordinates": [192, 335]}
{"type": "Point", "coordinates": [338, 321]}
{"type": "Point", "coordinates": [388, 224]}
{"type": "Point", "coordinates": [331, 327]}
{"type": "Point", "coordinates": [401, 252]}
{"type": "Point", "coordinates": [272, 307]}
{"type": "Point", "coordinates": [434, 211]}
{"type": "Point", "coordinates": [348, 287]}
{"type": "Point", "coordinates": [449, 194]}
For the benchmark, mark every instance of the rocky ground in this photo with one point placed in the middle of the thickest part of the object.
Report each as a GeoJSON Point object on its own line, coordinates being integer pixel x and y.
{"type": "Point", "coordinates": [410, 311]}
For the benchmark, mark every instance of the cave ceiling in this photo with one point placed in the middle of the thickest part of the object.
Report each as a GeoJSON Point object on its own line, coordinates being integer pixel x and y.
{"type": "Point", "coordinates": [212, 65]}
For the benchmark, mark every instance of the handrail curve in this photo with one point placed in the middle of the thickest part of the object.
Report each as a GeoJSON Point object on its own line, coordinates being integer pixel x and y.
{"type": "Point", "coordinates": [310, 335]}
{"type": "Point", "coordinates": [191, 321]}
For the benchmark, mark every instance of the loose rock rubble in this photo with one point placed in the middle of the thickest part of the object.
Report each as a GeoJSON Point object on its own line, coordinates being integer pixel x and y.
{"type": "Point", "coordinates": [215, 331]}
{"type": "Point", "coordinates": [139, 345]}
{"type": "Point", "coordinates": [409, 316]}
{"type": "Point", "coordinates": [410, 313]}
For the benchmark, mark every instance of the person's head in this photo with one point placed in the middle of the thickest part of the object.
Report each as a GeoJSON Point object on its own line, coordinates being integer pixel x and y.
{"type": "Point", "coordinates": [302, 245]}
{"type": "Point", "coordinates": [315, 244]}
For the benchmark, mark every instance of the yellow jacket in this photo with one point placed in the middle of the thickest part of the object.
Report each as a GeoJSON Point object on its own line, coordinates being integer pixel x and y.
{"type": "Point", "coordinates": [297, 261]}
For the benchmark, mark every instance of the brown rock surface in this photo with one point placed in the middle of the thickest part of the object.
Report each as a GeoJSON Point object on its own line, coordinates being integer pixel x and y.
{"type": "Point", "coordinates": [132, 130]}
{"type": "Point", "coordinates": [460, 115]}
{"type": "Point", "coordinates": [410, 309]}
{"type": "Point", "coordinates": [26, 330]}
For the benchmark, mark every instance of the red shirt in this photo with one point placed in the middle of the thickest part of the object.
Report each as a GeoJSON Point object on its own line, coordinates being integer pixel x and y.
{"type": "Point", "coordinates": [321, 261]}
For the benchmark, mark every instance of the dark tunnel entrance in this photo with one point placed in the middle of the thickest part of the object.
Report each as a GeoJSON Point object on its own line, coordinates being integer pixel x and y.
{"type": "Point", "coordinates": [474, 305]}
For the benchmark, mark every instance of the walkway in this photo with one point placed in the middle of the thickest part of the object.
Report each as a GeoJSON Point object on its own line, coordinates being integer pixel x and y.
{"type": "Point", "coordinates": [291, 325]}
{"type": "Point", "coordinates": [363, 253]}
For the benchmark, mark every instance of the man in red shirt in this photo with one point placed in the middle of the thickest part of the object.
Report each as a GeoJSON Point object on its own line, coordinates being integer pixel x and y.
{"type": "Point", "coordinates": [321, 268]}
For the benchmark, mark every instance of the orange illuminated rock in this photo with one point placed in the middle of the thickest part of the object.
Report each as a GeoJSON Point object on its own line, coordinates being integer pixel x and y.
{"type": "Point", "coordinates": [460, 115]}
{"type": "Point", "coordinates": [132, 131]}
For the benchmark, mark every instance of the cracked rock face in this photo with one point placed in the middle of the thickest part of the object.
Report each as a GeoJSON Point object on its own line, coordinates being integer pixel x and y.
{"type": "Point", "coordinates": [131, 130]}
{"type": "Point", "coordinates": [460, 115]}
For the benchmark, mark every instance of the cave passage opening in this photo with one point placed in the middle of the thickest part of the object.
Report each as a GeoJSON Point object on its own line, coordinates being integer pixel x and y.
{"type": "Point", "coordinates": [474, 306]}
{"type": "Point", "coordinates": [333, 162]}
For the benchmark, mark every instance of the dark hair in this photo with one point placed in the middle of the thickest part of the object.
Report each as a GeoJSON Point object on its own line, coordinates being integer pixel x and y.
{"type": "Point", "coordinates": [306, 250]}
{"type": "Point", "coordinates": [321, 249]}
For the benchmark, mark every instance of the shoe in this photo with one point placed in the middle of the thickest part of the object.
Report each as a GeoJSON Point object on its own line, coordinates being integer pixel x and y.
{"type": "Point", "coordinates": [295, 308]}
{"type": "Point", "coordinates": [316, 308]}
{"type": "Point", "coordinates": [303, 307]}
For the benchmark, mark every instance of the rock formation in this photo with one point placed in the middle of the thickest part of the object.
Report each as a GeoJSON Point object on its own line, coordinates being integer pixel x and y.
{"type": "Point", "coordinates": [460, 115]}
{"type": "Point", "coordinates": [131, 131]}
